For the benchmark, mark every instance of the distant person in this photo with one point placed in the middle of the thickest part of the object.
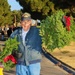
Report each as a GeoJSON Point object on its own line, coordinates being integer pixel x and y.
{"type": "Point", "coordinates": [0, 29]}
{"type": "Point", "coordinates": [9, 31]}
{"type": "Point", "coordinates": [2, 35]}
{"type": "Point", "coordinates": [38, 22]}
{"type": "Point", "coordinates": [34, 22]}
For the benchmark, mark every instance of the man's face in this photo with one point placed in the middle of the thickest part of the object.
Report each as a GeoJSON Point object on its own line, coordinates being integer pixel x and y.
{"type": "Point", "coordinates": [26, 24]}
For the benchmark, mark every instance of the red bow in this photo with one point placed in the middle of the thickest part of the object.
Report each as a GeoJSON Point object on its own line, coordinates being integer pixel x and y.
{"type": "Point", "coordinates": [10, 57]}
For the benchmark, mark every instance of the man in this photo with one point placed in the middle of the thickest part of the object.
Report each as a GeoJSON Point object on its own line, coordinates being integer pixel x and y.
{"type": "Point", "coordinates": [30, 47]}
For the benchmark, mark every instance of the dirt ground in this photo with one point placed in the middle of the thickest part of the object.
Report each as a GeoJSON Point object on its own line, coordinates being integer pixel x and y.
{"type": "Point", "coordinates": [66, 54]}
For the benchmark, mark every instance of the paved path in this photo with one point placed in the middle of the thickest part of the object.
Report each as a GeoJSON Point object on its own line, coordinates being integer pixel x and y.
{"type": "Point", "coordinates": [47, 68]}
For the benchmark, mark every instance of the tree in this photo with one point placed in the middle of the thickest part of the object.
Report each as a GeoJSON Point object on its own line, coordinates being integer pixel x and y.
{"type": "Point", "coordinates": [66, 5]}
{"type": "Point", "coordinates": [46, 7]}
{"type": "Point", "coordinates": [40, 7]}
{"type": "Point", "coordinates": [5, 13]}
{"type": "Point", "coordinates": [16, 14]}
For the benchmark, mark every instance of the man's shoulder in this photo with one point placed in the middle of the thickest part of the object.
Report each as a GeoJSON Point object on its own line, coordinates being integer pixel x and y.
{"type": "Point", "coordinates": [17, 29]}
{"type": "Point", "coordinates": [34, 27]}
{"type": "Point", "coordinates": [16, 32]}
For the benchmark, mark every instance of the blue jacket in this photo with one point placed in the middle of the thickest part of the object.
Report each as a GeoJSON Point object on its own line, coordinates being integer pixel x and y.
{"type": "Point", "coordinates": [31, 50]}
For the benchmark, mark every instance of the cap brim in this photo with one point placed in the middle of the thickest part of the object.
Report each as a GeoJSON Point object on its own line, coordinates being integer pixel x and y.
{"type": "Point", "coordinates": [25, 18]}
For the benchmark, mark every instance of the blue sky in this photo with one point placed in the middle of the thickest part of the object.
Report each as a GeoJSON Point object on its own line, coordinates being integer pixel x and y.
{"type": "Point", "coordinates": [14, 5]}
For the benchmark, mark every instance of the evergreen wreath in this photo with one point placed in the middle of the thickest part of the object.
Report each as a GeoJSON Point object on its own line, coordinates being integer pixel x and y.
{"type": "Point", "coordinates": [6, 58]}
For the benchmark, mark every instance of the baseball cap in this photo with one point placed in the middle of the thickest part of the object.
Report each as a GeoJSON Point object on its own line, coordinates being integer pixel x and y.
{"type": "Point", "coordinates": [26, 16]}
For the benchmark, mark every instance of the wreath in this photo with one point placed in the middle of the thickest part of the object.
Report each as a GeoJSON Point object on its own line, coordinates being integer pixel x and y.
{"type": "Point", "coordinates": [6, 57]}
